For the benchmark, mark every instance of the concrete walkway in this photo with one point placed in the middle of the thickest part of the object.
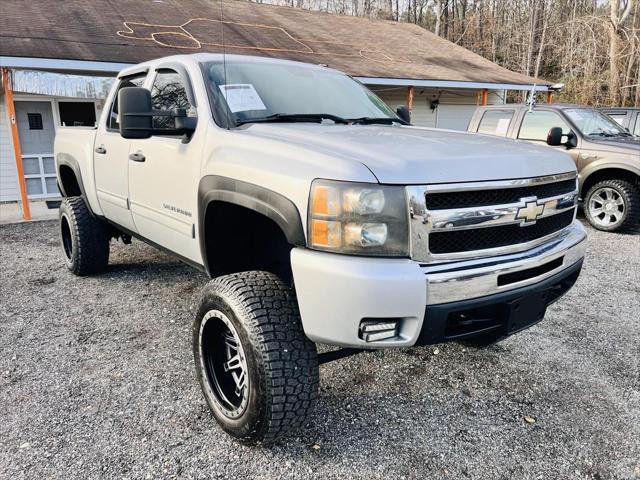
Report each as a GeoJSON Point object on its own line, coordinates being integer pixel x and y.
{"type": "Point", "coordinates": [12, 212]}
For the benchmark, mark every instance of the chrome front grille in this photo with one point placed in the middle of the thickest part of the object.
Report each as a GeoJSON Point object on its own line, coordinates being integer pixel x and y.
{"type": "Point", "coordinates": [457, 221]}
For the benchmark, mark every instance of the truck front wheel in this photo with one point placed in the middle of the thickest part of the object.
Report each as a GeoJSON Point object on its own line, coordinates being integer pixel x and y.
{"type": "Point", "coordinates": [84, 238]}
{"type": "Point", "coordinates": [257, 369]}
{"type": "Point", "coordinates": [613, 205]}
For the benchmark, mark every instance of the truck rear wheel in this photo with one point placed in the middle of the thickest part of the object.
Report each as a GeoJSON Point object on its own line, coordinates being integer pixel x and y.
{"type": "Point", "coordinates": [613, 205]}
{"type": "Point", "coordinates": [84, 238]}
{"type": "Point", "coordinates": [257, 369]}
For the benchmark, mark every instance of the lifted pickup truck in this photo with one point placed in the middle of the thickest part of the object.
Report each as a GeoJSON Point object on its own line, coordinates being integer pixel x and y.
{"type": "Point", "coordinates": [322, 217]}
{"type": "Point", "coordinates": [607, 155]}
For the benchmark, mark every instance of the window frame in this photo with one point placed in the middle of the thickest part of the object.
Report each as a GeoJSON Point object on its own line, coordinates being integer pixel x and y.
{"type": "Point", "coordinates": [143, 75]}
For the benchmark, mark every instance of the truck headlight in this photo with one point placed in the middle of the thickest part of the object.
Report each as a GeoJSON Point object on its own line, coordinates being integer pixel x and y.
{"type": "Point", "coordinates": [358, 218]}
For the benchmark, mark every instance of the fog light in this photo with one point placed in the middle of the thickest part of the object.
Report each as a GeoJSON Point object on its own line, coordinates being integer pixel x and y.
{"type": "Point", "coordinates": [376, 330]}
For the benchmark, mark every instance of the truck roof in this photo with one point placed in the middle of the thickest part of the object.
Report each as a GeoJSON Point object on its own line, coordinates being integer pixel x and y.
{"type": "Point", "coordinates": [197, 58]}
{"type": "Point", "coordinates": [557, 106]}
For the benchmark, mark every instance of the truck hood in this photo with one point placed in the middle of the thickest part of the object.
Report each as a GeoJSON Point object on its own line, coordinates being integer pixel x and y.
{"type": "Point", "coordinates": [628, 145]}
{"type": "Point", "coordinates": [414, 155]}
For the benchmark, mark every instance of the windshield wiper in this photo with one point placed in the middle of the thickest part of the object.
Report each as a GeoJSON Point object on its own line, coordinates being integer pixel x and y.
{"type": "Point", "coordinates": [377, 120]}
{"type": "Point", "coordinates": [294, 118]}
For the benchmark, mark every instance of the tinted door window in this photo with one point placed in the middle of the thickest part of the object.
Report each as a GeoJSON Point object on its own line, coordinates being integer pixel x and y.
{"type": "Point", "coordinates": [168, 92]}
{"type": "Point", "coordinates": [496, 122]}
{"type": "Point", "coordinates": [536, 125]}
{"type": "Point", "coordinates": [132, 81]}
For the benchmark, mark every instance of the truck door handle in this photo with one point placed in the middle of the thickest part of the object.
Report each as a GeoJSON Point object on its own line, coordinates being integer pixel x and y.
{"type": "Point", "coordinates": [137, 157]}
{"type": "Point", "coordinates": [101, 150]}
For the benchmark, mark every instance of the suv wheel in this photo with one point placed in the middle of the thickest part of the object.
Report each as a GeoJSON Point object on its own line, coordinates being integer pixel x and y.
{"type": "Point", "coordinates": [613, 205]}
{"type": "Point", "coordinates": [257, 369]}
{"type": "Point", "coordinates": [84, 238]}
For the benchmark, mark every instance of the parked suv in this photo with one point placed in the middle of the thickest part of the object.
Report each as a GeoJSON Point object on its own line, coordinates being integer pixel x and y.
{"type": "Point", "coordinates": [628, 117]}
{"type": "Point", "coordinates": [607, 155]}
{"type": "Point", "coordinates": [321, 216]}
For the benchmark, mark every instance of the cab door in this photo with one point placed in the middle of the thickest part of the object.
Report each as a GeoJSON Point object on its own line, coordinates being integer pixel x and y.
{"type": "Point", "coordinates": [111, 162]}
{"type": "Point", "coordinates": [164, 172]}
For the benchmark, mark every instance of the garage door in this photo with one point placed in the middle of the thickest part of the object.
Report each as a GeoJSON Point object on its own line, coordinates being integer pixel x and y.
{"type": "Point", "coordinates": [455, 117]}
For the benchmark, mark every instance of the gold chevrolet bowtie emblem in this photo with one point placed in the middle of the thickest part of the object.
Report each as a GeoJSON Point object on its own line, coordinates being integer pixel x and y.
{"type": "Point", "coordinates": [530, 212]}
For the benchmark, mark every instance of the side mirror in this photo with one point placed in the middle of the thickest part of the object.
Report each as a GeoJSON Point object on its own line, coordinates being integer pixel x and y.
{"type": "Point", "coordinates": [136, 116]}
{"type": "Point", "coordinates": [134, 108]}
{"type": "Point", "coordinates": [403, 113]}
{"type": "Point", "coordinates": [554, 138]}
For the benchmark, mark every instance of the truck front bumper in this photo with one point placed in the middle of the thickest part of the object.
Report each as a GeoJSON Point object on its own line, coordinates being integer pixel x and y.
{"type": "Point", "coordinates": [432, 303]}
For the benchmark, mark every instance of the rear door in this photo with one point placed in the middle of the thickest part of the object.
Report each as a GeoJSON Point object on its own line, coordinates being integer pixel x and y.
{"type": "Point", "coordinates": [111, 162]}
{"type": "Point", "coordinates": [164, 172]}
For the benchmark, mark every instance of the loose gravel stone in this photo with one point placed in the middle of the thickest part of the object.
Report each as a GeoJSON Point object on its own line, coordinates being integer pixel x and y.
{"type": "Point", "coordinates": [97, 382]}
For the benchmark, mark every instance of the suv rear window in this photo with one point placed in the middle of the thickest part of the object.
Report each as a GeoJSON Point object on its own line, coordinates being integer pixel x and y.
{"type": "Point", "coordinates": [496, 122]}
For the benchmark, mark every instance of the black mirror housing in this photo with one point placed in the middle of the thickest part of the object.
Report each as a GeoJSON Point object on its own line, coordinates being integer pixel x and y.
{"type": "Point", "coordinates": [403, 112]}
{"type": "Point", "coordinates": [132, 101]}
{"type": "Point", "coordinates": [554, 137]}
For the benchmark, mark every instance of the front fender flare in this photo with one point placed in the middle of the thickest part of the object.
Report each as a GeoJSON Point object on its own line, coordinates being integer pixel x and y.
{"type": "Point", "coordinates": [215, 188]}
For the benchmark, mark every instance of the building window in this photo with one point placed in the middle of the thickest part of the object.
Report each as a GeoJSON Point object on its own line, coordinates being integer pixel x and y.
{"type": "Point", "coordinates": [40, 176]}
{"type": "Point", "coordinates": [77, 114]}
{"type": "Point", "coordinates": [35, 121]}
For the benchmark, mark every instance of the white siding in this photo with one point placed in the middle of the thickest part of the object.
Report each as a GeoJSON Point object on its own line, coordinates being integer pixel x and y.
{"type": "Point", "coordinates": [9, 190]}
{"type": "Point", "coordinates": [456, 106]}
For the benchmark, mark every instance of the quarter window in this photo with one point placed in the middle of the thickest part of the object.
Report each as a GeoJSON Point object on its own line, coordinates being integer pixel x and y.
{"type": "Point", "coordinates": [168, 92]}
{"type": "Point", "coordinates": [496, 122]}
{"type": "Point", "coordinates": [132, 81]}
{"type": "Point", "coordinates": [536, 125]}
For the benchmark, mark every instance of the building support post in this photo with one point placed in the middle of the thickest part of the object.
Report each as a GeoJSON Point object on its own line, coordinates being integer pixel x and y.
{"type": "Point", "coordinates": [549, 97]}
{"type": "Point", "coordinates": [410, 91]}
{"type": "Point", "coordinates": [17, 151]}
{"type": "Point", "coordinates": [485, 97]}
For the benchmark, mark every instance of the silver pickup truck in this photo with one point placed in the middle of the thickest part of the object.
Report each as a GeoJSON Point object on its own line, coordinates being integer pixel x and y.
{"type": "Point", "coordinates": [322, 217]}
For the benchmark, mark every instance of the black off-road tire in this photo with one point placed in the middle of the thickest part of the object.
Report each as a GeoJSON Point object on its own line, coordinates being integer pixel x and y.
{"type": "Point", "coordinates": [84, 238]}
{"type": "Point", "coordinates": [260, 312]}
{"type": "Point", "coordinates": [630, 194]}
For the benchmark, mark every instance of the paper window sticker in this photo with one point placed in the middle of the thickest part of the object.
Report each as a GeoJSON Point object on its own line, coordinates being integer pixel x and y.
{"type": "Point", "coordinates": [503, 126]}
{"type": "Point", "coordinates": [242, 97]}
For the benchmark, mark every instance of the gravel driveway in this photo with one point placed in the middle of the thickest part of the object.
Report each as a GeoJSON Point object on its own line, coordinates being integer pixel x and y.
{"type": "Point", "coordinates": [96, 381]}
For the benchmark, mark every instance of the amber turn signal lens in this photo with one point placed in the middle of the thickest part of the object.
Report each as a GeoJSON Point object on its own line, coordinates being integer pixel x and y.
{"type": "Point", "coordinates": [326, 234]}
{"type": "Point", "coordinates": [325, 201]}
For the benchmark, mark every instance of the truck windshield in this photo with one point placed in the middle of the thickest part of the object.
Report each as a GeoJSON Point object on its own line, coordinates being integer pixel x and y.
{"type": "Point", "coordinates": [282, 92]}
{"type": "Point", "coordinates": [593, 122]}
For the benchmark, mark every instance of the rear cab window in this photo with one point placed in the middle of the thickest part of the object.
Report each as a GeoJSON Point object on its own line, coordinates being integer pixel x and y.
{"type": "Point", "coordinates": [496, 122]}
{"type": "Point", "coordinates": [136, 80]}
{"type": "Point", "coordinates": [537, 123]}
